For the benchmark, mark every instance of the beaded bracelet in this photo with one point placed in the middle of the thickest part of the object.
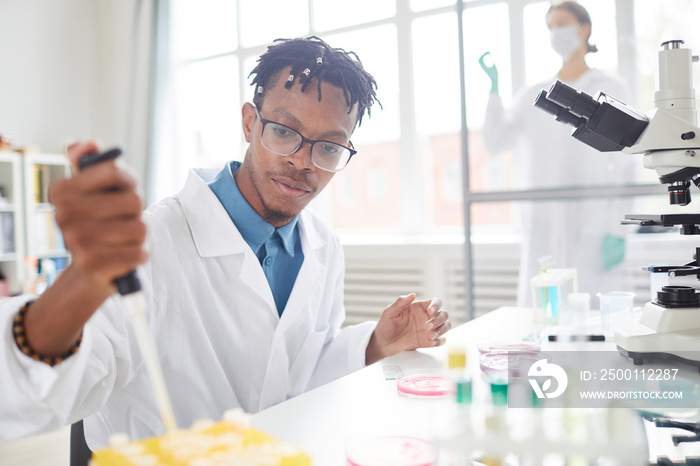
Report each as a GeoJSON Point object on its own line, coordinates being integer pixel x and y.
{"type": "Point", "coordinates": [21, 340]}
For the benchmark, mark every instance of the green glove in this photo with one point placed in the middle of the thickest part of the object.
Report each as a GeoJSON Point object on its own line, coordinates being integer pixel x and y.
{"type": "Point", "coordinates": [491, 71]}
{"type": "Point", "coordinates": [612, 250]}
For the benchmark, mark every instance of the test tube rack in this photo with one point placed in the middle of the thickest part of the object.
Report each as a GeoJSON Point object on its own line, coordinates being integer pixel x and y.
{"type": "Point", "coordinates": [529, 436]}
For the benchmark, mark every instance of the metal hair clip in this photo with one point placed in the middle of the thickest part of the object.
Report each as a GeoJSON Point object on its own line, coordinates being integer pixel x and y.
{"type": "Point", "coordinates": [290, 81]}
{"type": "Point", "coordinates": [319, 61]}
{"type": "Point", "coordinates": [260, 89]}
{"type": "Point", "coordinates": [307, 71]}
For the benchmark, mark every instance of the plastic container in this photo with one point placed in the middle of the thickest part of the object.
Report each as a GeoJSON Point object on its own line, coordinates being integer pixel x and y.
{"type": "Point", "coordinates": [578, 308]}
{"type": "Point", "coordinates": [549, 289]}
{"type": "Point", "coordinates": [612, 302]}
{"type": "Point", "coordinates": [424, 383]}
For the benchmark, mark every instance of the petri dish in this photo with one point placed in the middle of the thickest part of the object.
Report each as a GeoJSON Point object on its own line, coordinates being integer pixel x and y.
{"type": "Point", "coordinates": [391, 451]}
{"type": "Point", "coordinates": [428, 383]}
{"type": "Point", "coordinates": [504, 344]}
{"type": "Point", "coordinates": [509, 364]}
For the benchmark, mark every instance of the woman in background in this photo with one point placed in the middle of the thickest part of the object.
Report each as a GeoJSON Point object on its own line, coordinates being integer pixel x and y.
{"type": "Point", "coordinates": [581, 234]}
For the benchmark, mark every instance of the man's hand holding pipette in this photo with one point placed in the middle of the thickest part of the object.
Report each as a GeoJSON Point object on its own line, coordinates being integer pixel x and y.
{"type": "Point", "coordinates": [99, 213]}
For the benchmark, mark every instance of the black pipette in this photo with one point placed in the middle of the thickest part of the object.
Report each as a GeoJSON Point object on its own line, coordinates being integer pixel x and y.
{"type": "Point", "coordinates": [129, 286]}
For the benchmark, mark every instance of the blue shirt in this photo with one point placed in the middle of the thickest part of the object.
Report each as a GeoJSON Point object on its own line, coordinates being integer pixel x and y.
{"type": "Point", "coordinates": [278, 249]}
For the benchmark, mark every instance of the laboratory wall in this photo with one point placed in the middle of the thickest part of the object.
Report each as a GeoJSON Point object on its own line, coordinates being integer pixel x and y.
{"type": "Point", "coordinates": [75, 69]}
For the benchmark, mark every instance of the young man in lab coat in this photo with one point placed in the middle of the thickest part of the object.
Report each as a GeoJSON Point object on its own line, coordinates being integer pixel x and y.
{"type": "Point", "coordinates": [244, 285]}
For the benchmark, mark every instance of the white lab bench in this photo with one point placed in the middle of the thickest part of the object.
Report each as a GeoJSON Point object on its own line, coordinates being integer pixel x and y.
{"type": "Point", "coordinates": [365, 403]}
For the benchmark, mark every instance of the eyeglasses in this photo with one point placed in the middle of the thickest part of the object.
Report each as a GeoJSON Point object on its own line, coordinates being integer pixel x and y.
{"type": "Point", "coordinates": [283, 140]}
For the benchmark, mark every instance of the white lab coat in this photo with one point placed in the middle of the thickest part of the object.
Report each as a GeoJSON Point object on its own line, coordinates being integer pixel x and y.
{"type": "Point", "coordinates": [546, 155]}
{"type": "Point", "coordinates": [218, 334]}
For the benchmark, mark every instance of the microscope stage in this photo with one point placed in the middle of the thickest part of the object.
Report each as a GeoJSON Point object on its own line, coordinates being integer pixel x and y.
{"type": "Point", "coordinates": [664, 220]}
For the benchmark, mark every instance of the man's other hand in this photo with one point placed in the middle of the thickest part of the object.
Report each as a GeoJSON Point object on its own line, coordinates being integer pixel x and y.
{"type": "Point", "coordinates": [408, 324]}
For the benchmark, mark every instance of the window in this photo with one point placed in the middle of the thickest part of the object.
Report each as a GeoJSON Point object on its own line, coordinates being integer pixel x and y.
{"type": "Point", "coordinates": [375, 182]}
{"type": "Point", "coordinates": [406, 179]}
{"type": "Point", "coordinates": [405, 154]}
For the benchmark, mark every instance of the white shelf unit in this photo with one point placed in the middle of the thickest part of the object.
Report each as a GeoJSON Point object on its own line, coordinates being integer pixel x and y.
{"type": "Point", "coordinates": [12, 237]}
{"type": "Point", "coordinates": [43, 238]}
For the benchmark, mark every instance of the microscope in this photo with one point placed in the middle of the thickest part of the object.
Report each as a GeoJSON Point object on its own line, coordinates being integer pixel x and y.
{"type": "Point", "coordinates": [668, 138]}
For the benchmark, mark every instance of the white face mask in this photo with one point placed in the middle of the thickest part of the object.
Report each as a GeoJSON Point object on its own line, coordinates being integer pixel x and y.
{"type": "Point", "coordinates": [565, 40]}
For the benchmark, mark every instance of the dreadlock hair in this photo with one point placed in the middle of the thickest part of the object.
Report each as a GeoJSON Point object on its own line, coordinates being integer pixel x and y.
{"type": "Point", "coordinates": [312, 58]}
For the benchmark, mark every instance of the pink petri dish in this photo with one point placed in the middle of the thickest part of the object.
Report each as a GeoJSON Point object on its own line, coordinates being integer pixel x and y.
{"type": "Point", "coordinates": [424, 383]}
{"type": "Point", "coordinates": [391, 451]}
{"type": "Point", "coordinates": [504, 344]}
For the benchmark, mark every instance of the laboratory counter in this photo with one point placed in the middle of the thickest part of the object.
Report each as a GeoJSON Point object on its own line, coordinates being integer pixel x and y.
{"type": "Point", "coordinates": [365, 404]}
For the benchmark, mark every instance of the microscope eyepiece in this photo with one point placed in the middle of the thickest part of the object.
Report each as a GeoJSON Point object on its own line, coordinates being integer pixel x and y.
{"type": "Point", "coordinates": [602, 122]}
{"type": "Point", "coordinates": [577, 102]}
{"type": "Point", "coordinates": [563, 115]}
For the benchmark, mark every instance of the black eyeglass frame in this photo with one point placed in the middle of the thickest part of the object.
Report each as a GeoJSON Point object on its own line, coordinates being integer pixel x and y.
{"type": "Point", "coordinates": [304, 139]}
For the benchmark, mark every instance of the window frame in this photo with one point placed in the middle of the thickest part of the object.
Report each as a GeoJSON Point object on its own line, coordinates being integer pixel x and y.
{"type": "Point", "coordinates": [411, 191]}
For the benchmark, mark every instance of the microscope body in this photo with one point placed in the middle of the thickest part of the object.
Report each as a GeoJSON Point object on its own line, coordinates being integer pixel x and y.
{"type": "Point", "coordinates": [667, 155]}
{"type": "Point", "coordinates": [669, 139]}
{"type": "Point", "coordinates": [671, 142]}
